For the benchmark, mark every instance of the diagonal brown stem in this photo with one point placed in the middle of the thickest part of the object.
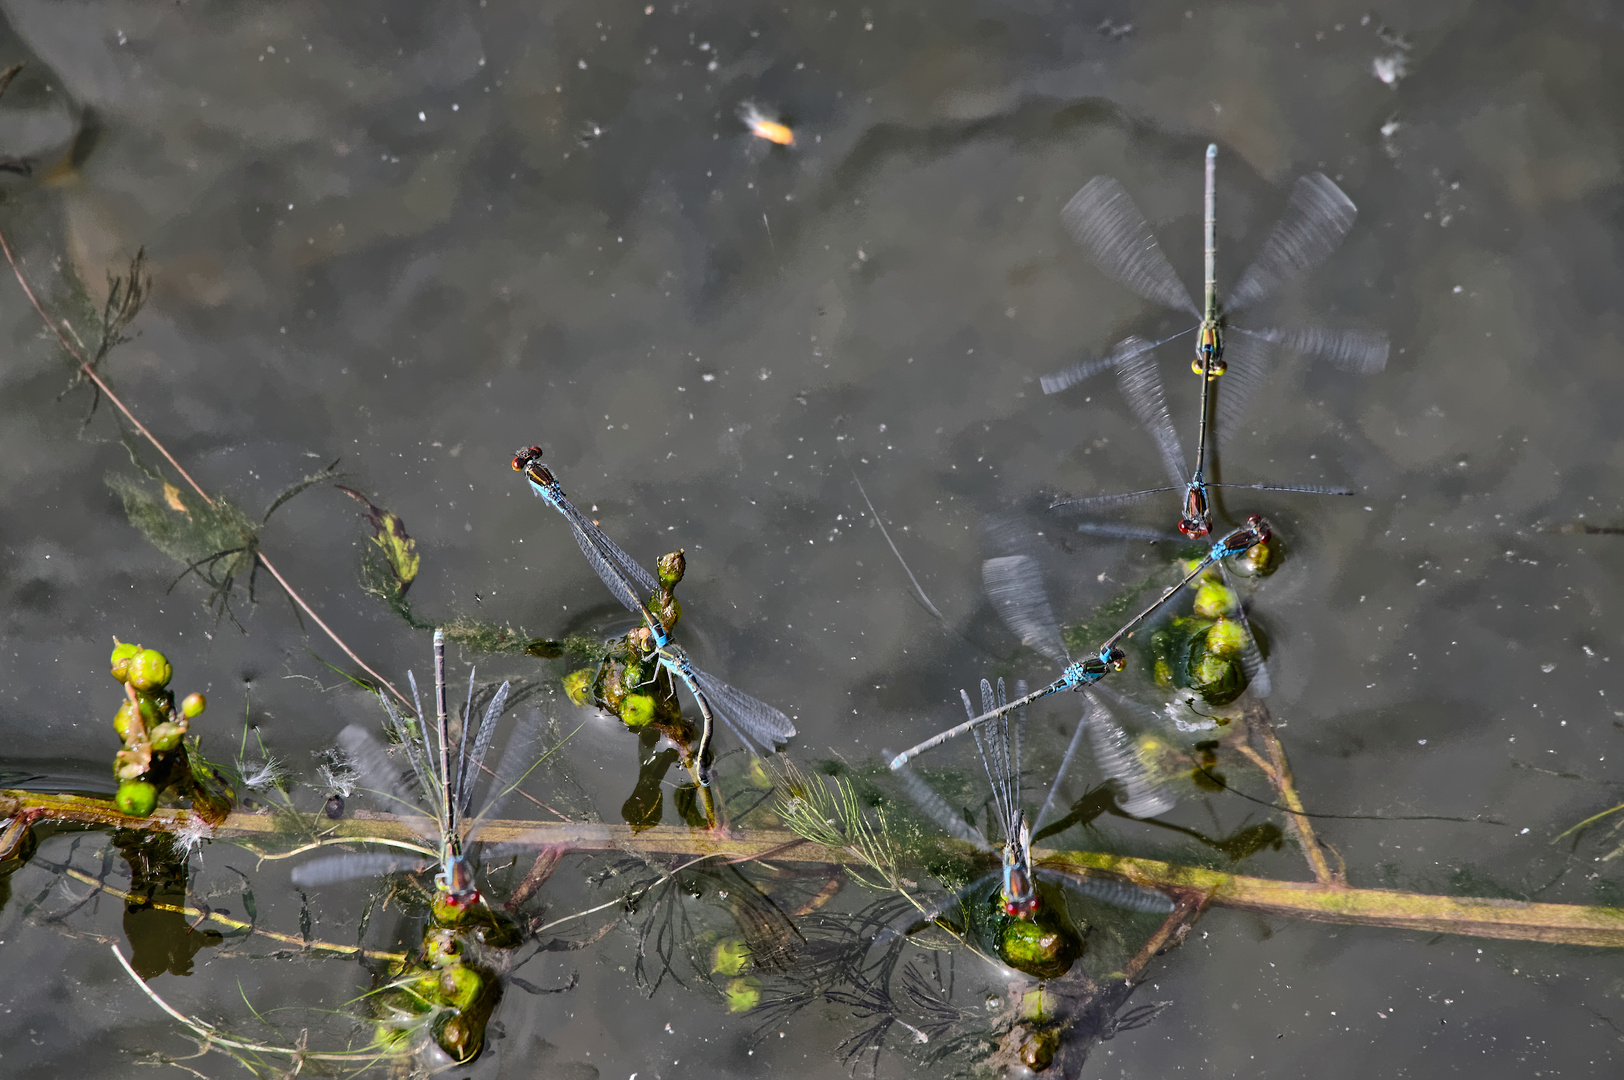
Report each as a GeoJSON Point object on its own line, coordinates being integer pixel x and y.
{"type": "Point", "coordinates": [1261, 728]}
{"type": "Point", "coordinates": [90, 373]}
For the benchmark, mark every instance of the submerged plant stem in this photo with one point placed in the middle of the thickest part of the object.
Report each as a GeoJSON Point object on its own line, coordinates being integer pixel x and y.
{"type": "Point", "coordinates": [1572, 924]}
{"type": "Point", "coordinates": [202, 915]}
{"type": "Point", "coordinates": [1279, 773]}
{"type": "Point", "coordinates": [89, 372]}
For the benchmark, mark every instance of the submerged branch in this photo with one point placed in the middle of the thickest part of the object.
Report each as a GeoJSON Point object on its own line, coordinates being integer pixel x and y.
{"type": "Point", "coordinates": [1572, 924]}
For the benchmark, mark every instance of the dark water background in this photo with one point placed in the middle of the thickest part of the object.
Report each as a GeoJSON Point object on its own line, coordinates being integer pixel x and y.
{"type": "Point", "coordinates": [380, 234]}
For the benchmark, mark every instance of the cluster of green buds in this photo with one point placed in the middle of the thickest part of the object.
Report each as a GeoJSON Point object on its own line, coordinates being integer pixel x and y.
{"type": "Point", "coordinates": [446, 988]}
{"type": "Point", "coordinates": [1203, 651]}
{"type": "Point", "coordinates": [627, 681]}
{"type": "Point", "coordinates": [151, 727]}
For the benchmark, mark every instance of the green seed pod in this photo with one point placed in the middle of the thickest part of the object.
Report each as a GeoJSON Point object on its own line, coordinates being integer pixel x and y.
{"type": "Point", "coordinates": [578, 685]}
{"type": "Point", "coordinates": [1226, 638]}
{"type": "Point", "coordinates": [671, 568]}
{"type": "Point", "coordinates": [166, 736]}
{"type": "Point", "coordinates": [1213, 600]}
{"type": "Point", "coordinates": [637, 710]}
{"type": "Point", "coordinates": [122, 654]}
{"type": "Point", "coordinates": [1217, 678]}
{"type": "Point", "coordinates": [742, 994]}
{"type": "Point", "coordinates": [440, 947]}
{"type": "Point", "coordinates": [1038, 1048]}
{"type": "Point", "coordinates": [459, 986]}
{"type": "Point", "coordinates": [730, 957]}
{"type": "Point", "coordinates": [121, 720]}
{"type": "Point", "coordinates": [136, 798]}
{"type": "Point", "coordinates": [1043, 946]}
{"type": "Point", "coordinates": [193, 706]}
{"type": "Point", "coordinates": [1260, 560]}
{"type": "Point", "coordinates": [149, 670]}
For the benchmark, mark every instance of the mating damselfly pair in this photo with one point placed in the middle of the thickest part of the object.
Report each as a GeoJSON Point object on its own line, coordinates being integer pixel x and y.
{"type": "Point", "coordinates": [754, 722]}
{"type": "Point", "coordinates": [1114, 235]}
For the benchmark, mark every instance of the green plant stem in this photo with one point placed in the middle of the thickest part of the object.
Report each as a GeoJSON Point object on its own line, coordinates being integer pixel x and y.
{"type": "Point", "coordinates": [1572, 924]}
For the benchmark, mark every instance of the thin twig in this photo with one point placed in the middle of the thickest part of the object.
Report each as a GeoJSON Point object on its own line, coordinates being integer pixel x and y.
{"type": "Point", "coordinates": [1258, 723]}
{"type": "Point", "coordinates": [202, 915]}
{"type": "Point", "coordinates": [90, 373]}
{"type": "Point", "coordinates": [211, 1034]}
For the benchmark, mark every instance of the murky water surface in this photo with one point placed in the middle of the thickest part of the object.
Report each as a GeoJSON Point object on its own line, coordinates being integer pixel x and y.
{"type": "Point", "coordinates": [415, 237]}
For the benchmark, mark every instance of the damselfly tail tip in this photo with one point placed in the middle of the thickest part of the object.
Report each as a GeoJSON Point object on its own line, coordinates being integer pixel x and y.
{"type": "Point", "coordinates": [439, 638]}
{"type": "Point", "coordinates": [1212, 150]}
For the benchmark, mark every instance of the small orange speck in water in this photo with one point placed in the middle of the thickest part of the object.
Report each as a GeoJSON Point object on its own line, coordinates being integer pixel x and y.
{"type": "Point", "coordinates": [764, 128]}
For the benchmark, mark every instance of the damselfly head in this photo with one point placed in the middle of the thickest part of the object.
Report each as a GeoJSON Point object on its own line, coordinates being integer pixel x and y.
{"type": "Point", "coordinates": [528, 461]}
{"type": "Point", "coordinates": [456, 884]}
{"type": "Point", "coordinates": [1259, 529]}
{"type": "Point", "coordinates": [1197, 520]}
{"type": "Point", "coordinates": [1113, 658]}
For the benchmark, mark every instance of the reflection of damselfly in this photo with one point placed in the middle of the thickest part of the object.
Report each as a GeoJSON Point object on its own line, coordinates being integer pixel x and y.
{"type": "Point", "coordinates": [999, 744]}
{"type": "Point", "coordinates": [444, 770]}
{"type": "Point", "coordinates": [1109, 658]}
{"type": "Point", "coordinates": [1114, 235]}
{"type": "Point", "coordinates": [747, 717]}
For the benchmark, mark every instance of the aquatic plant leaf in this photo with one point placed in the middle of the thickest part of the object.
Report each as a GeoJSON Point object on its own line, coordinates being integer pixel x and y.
{"type": "Point", "coordinates": [389, 534]}
{"type": "Point", "coordinates": [219, 543]}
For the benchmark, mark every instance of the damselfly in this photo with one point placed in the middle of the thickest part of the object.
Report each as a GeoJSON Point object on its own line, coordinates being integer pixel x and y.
{"type": "Point", "coordinates": [1109, 658]}
{"type": "Point", "coordinates": [1114, 235]}
{"type": "Point", "coordinates": [1141, 386]}
{"type": "Point", "coordinates": [1014, 585]}
{"type": "Point", "coordinates": [999, 745]}
{"type": "Point", "coordinates": [747, 717]}
{"type": "Point", "coordinates": [444, 771]}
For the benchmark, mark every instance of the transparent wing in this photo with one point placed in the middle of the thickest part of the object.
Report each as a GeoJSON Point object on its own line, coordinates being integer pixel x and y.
{"type": "Point", "coordinates": [1362, 352]}
{"type": "Point", "coordinates": [1128, 532]}
{"type": "Point", "coordinates": [518, 760]}
{"type": "Point", "coordinates": [408, 735]}
{"type": "Point", "coordinates": [1306, 489]}
{"type": "Point", "coordinates": [1123, 351]}
{"type": "Point", "coordinates": [938, 810]}
{"type": "Point", "coordinates": [1066, 378]}
{"type": "Point", "coordinates": [1138, 793]}
{"type": "Point", "coordinates": [1014, 584]}
{"type": "Point", "coordinates": [1141, 386]}
{"type": "Point", "coordinates": [1060, 775]}
{"type": "Point", "coordinates": [1117, 893]}
{"type": "Point", "coordinates": [613, 566]}
{"type": "Point", "coordinates": [353, 866]}
{"type": "Point", "coordinates": [1105, 502]}
{"type": "Point", "coordinates": [381, 775]}
{"type": "Point", "coordinates": [1113, 233]}
{"type": "Point", "coordinates": [747, 717]}
{"type": "Point", "coordinates": [1248, 357]}
{"type": "Point", "coordinates": [1317, 216]}
{"type": "Point", "coordinates": [474, 760]}
{"type": "Point", "coordinates": [1257, 672]}
{"type": "Point", "coordinates": [1000, 751]}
